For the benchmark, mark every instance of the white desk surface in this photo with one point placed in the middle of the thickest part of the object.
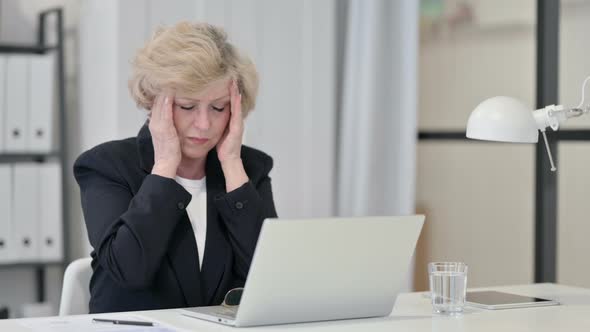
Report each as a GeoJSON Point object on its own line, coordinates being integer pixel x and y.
{"type": "Point", "coordinates": [413, 312]}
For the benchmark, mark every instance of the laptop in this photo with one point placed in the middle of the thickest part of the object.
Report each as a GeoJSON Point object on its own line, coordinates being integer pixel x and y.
{"type": "Point", "coordinates": [307, 270]}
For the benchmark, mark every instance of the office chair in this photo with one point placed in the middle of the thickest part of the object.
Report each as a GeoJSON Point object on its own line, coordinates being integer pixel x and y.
{"type": "Point", "coordinates": [75, 293]}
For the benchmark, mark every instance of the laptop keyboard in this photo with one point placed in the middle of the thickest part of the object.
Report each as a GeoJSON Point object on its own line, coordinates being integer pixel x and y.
{"type": "Point", "coordinates": [229, 312]}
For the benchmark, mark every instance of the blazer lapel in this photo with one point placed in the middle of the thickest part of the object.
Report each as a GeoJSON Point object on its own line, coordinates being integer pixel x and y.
{"type": "Point", "coordinates": [216, 246]}
{"type": "Point", "coordinates": [184, 256]}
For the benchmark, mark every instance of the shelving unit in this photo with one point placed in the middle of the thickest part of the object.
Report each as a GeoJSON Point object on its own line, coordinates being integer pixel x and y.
{"type": "Point", "coordinates": [42, 47]}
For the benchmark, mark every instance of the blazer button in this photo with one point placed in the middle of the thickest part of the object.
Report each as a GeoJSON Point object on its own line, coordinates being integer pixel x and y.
{"type": "Point", "coordinates": [239, 205]}
{"type": "Point", "coordinates": [180, 205]}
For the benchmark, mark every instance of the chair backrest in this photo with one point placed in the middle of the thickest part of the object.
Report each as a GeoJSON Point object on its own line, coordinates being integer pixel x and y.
{"type": "Point", "coordinates": [75, 293]}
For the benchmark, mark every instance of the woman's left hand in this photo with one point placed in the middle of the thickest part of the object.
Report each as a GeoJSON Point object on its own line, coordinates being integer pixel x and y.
{"type": "Point", "coordinates": [230, 144]}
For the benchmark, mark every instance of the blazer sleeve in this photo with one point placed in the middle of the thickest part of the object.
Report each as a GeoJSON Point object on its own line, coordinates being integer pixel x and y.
{"type": "Point", "coordinates": [243, 211]}
{"type": "Point", "coordinates": [129, 233]}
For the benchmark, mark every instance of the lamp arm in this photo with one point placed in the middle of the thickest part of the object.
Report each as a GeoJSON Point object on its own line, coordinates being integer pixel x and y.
{"type": "Point", "coordinates": [553, 168]}
{"type": "Point", "coordinates": [576, 112]}
{"type": "Point", "coordinates": [551, 117]}
{"type": "Point", "coordinates": [554, 115]}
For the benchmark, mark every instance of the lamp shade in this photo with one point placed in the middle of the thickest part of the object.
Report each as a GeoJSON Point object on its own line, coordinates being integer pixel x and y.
{"type": "Point", "coordinates": [503, 119]}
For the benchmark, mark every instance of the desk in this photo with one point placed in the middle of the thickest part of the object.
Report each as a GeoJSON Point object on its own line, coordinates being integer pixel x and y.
{"type": "Point", "coordinates": [413, 312]}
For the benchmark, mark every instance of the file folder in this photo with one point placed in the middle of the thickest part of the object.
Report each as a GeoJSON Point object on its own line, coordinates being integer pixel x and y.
{"type": "Point", "coordinates": [42, 103]}
{"type": "Point", "coordinates": [26, 207]}
{"type": "Point", "coordinates": [50, 212]}
{"type": "Point", "coordinates": [2, 100]}
{"type": "Point", "coordinates": [16, 103]}
{"type": "Point", "coordinates": [6, 239]}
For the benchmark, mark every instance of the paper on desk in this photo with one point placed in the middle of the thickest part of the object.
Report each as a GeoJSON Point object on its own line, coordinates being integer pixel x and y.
{"type": "Point", "coordinates": [85, 323]}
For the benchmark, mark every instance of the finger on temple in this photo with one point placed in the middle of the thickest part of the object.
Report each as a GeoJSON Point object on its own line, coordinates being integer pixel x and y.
{"type": "Point", "coordinates": [167, 107]}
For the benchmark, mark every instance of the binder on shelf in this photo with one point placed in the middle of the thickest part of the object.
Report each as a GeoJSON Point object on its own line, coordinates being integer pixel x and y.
{"type": "Point", "coordinates": [42, 103]}
{"type": "Point", "coordinates": [16, 103]}
{"type": "Point", "coordinates": [26, 207]}
{"type": "Point", "coordinates": [6, 238]}
{"type": "Point", "coordinates": [50, 212]}
{"type": "Point", "coordinates": [26, 129]}
{"type": "Point", "coordinates": [2, 100]}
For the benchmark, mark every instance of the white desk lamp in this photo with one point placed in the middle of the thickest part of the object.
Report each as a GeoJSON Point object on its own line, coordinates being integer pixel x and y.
{"type": "Point", "coordinates": [506, 119]}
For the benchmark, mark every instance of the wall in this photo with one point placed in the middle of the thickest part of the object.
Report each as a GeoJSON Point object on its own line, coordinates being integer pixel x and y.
{"type": "Point", "coordinates": [478, 197]}
{"type": "Point", "coordinates": [573, 181]}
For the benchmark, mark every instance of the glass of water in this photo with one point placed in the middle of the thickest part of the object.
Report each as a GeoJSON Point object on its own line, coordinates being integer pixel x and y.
{"type": "Point", "coordinates": [448, 284]}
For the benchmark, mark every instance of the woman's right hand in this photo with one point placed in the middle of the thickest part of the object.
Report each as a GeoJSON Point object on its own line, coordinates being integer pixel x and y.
{"type": "Point", "coordinates": [167, 153]}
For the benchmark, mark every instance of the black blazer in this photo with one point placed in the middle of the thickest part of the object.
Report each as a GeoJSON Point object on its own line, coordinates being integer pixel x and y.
{"type": "Point", "coordinates": [145, 254]}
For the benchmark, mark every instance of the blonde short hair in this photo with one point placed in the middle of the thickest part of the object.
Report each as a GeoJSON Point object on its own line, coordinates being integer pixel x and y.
{"type": "Point", "coordinates": [190, 56]}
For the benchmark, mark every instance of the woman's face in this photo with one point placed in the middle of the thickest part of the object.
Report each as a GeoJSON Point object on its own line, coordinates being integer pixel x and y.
{"type": "Point", "coordinates": [201, 119]}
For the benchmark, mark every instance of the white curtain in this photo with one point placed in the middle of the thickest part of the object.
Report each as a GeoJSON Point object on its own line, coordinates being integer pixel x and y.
{"type": "Point", "coordinates": [377, 147]}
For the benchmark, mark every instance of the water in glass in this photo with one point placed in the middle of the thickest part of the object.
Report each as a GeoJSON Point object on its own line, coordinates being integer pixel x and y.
{"type": "Point", "coordinates": [448, 291]}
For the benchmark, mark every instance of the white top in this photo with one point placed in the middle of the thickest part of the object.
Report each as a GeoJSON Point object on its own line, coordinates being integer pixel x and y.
{"type": "Point", "coordinates": [197, 211]}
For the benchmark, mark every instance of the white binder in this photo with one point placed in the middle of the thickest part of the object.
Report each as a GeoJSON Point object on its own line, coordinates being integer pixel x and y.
{"type": "Point", "coordinates": [26, 207]}
{"type": "Point", "coordinates": [50, 212]}
{"type": "Point", "coordinates": [2, 100]}
{"type": "Point", "coordinates": [6, 239]}
{"type": "Point", "coordinates": [42, 103]}
{"type": "Point", "coordinates": [16, 103]}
